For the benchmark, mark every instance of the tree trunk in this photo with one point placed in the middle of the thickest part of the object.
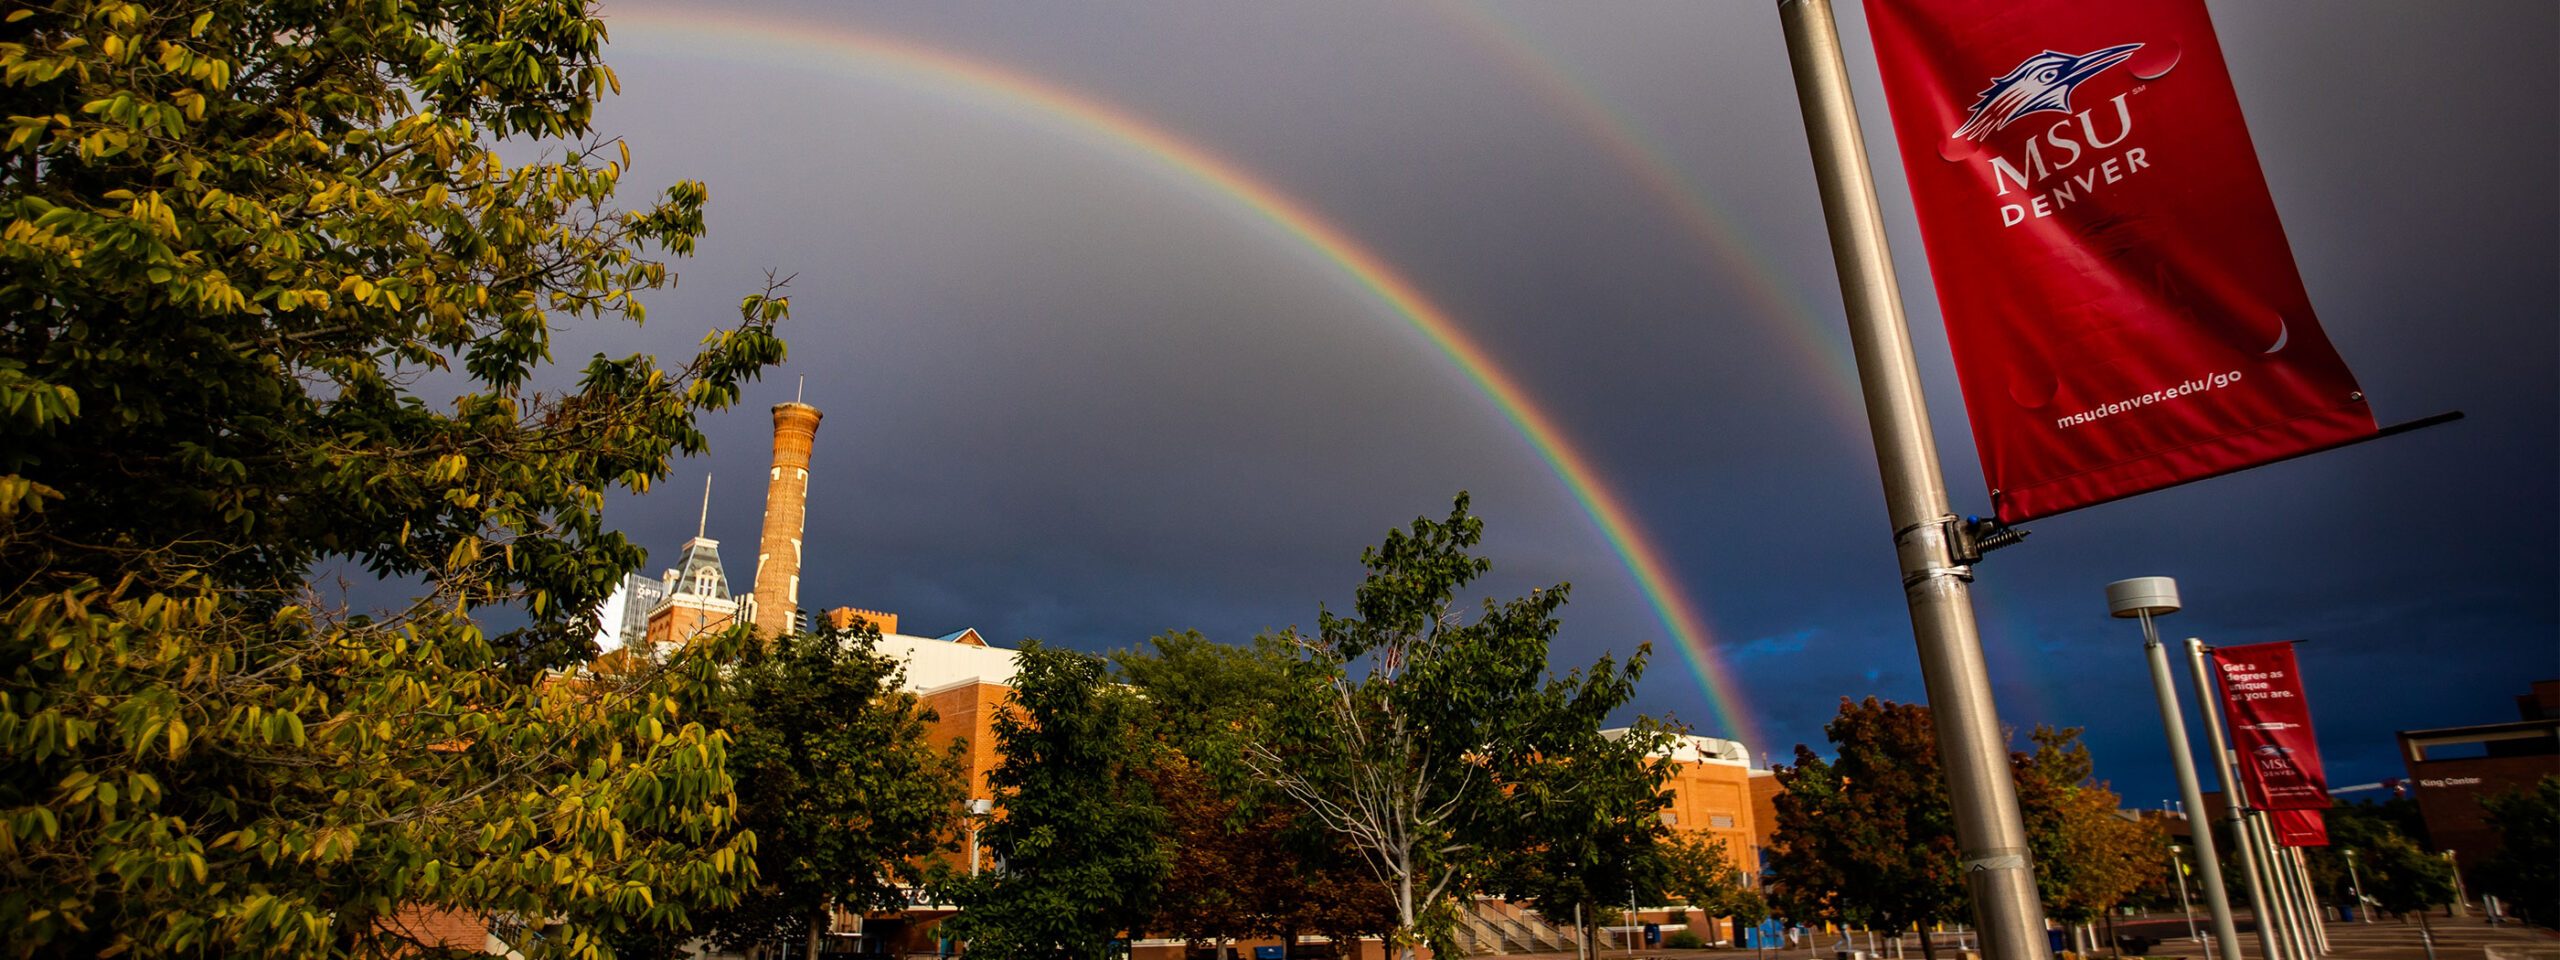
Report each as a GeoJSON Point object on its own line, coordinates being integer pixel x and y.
{"type": "Point", "coordinates": [1403, 940]}
{"type": "Point", "coordinates": [817, 931]}
{"type": "Point", "coordinates": [1928, 947]}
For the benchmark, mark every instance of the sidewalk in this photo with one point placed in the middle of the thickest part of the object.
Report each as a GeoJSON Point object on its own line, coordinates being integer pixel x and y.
{"type": "Point", "coordinates": [2460, 938]}
{"type": "Point", "coordinates": [2456, 939]}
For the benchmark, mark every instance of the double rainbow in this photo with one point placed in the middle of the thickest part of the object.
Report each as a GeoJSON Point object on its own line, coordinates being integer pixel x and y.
{"type": "Point", "coordinates": [835, 50]}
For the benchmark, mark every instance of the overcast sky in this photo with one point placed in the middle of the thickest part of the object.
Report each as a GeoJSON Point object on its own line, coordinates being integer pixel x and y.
{"type": "Point", "coordinates": [1074, 392]}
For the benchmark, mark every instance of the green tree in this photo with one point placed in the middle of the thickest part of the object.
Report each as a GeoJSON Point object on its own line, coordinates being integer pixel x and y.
{"type": "Point", "coordinates": [1582, 818]}
{"type": "Point", "coordinates": [1210, 700]}
{"type": "Point", "coordinates": [238, 238]}
{"type": "Point", "coordinates": [2356, 827]}
{"type": "Point", "coordinates": [2525, 871]}
{"type": "Point", "coordinates": [1868, 838]}
{"type": "Point", "coordinates": [1698, 868]}
{"type": "Point", "coordinates": [846, 798]}
{"type": "Point", "coordinates": [1418, 722]}
{"type": "Point", "coordinates": [1079, 834]}
{"type": "Point", "coordinates": [2404, 879]}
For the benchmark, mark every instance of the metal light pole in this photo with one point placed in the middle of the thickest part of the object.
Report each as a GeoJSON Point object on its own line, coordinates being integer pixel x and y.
{"type": "Point", "coordinates": [1990, 836]}
{"type": "Point", "coordinates": [978, 810]}
{"type": "Point", "coordinates": [2234, 808]}
{"type": "Point", "coordinates": [2364, 912]}
{"type": "Point", "coordinates": [2145, 598]}
{"type": "Point", "coordinates": [2178, 865]}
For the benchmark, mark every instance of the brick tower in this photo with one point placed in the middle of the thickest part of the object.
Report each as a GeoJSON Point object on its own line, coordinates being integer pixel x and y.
{"type": "Point", "coordinates": [786, 512]}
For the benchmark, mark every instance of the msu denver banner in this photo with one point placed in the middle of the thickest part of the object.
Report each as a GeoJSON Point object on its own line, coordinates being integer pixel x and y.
{"type": "Point", "coordinates": [2124, 310]}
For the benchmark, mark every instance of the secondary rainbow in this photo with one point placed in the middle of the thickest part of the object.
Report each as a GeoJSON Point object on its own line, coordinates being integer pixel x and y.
{"type": "Point", "coordinates": [834, 49]}
{"type": "Point", "coordinates": [1823, 342]}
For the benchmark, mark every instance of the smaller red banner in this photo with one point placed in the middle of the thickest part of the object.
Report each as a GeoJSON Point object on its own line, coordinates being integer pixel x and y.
{"type": "Point", "coordinates": [2301, 828]}
{"type": "Point", "coordinates": [2271, 727]}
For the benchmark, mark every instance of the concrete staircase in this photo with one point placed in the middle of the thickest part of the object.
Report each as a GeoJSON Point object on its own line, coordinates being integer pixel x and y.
{"type": "Point", "coordinates": [1478, 936]}
{"type": "Point", "coordinates": [1491, 926]}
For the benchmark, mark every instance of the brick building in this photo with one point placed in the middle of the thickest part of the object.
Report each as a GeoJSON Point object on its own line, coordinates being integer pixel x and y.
{"type": "Point", "coordinates": [1713, 791]}
{"type": "Point", "coordinates": [2451, 769]}
{"type": "Point", "coordinates": [1765, 789]}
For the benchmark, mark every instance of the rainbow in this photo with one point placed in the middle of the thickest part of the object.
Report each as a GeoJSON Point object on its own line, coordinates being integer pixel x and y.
{"type": "Point", "coordinates": [836, 50]}
{"type": "Point", "coordinates": [1821, 338]}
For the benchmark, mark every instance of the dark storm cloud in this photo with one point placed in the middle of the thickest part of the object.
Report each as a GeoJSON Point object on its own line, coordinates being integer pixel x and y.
{"type": "Point", "coordinates": [1072, 394]}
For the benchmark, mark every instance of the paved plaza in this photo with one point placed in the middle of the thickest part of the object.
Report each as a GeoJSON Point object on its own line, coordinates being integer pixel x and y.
{"type": "Point", "coordinates": [2462, 938]}
{"type": "Point", "coordinates": [2457, 938]}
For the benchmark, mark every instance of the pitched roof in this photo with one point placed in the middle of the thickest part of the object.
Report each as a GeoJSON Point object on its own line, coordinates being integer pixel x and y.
{"type": "Point", "coordinates": [701, 554]}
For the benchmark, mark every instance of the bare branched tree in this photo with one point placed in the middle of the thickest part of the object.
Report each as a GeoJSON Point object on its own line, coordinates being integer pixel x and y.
{"type": "Point", "coordinates": [1409, 720]}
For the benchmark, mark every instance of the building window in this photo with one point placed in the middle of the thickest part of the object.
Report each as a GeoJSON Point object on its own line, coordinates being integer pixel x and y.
{"type": "Point", "coordinates": [1720, 822]}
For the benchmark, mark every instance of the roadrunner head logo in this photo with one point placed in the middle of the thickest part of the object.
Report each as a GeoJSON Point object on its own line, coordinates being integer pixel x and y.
{"type": "Point", "coordinates": [2041, 83]}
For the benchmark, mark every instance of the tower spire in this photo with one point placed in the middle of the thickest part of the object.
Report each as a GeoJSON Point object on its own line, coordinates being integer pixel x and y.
{"type": "Point", "coordinates": [704, 526]}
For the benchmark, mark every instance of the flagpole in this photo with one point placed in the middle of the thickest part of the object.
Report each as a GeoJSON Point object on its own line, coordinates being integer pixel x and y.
{"type": "Point", "coordinates": [1990, 835]}
{"type": "Point", "coordinates": [2235, 810]}
{"type": "Point", "coordinates": [2288, 898]}
{"type": "Point", "coordinates": [2311, 901]}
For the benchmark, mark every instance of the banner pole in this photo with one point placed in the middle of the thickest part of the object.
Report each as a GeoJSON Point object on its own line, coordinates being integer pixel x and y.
{"type": "Point", "coordinates": [1990, 835]}
{"type": "Point", "coordinates": [2288, 892]}
{"type": "Point", "coordinates": [2311, 898]}
{"type": "Point", "coordinates": [2235, 805]}
{"type": "Point", "coordinates": [2280, 889]}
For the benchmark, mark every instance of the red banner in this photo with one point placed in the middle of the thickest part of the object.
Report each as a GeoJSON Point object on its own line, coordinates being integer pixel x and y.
{"type": "Point", "coordinates": [2123, 306]}
{"type": "Point", "coordinates": [2271, 727]}
{"type": "Point", "coordinates": [2301, 828]}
